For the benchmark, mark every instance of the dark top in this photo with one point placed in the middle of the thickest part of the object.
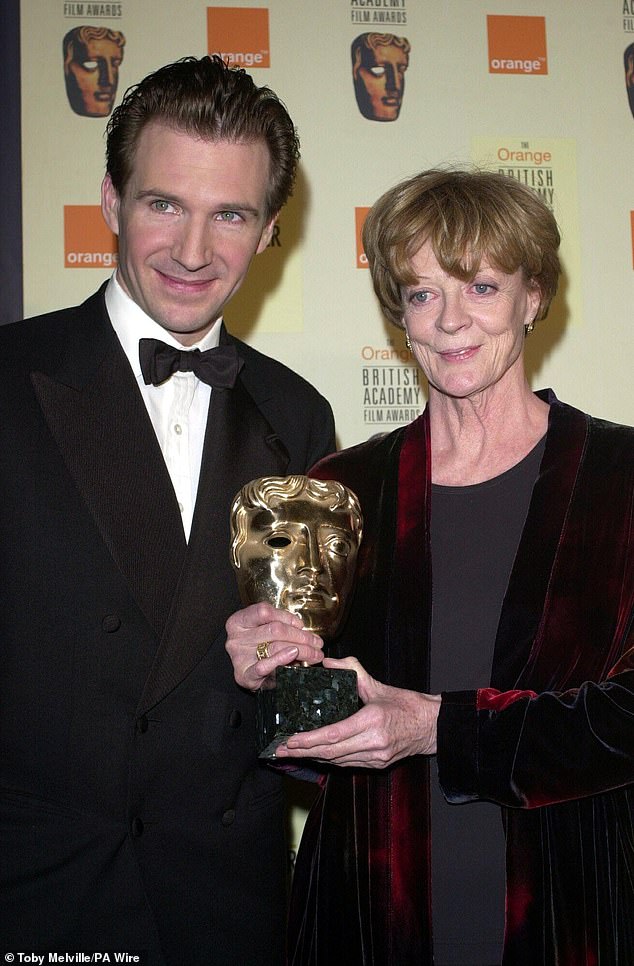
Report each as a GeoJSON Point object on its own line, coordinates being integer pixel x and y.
{"type": "Point", "coordinates": [475, 533]}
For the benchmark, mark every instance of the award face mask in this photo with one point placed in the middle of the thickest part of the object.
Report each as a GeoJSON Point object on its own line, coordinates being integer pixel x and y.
{"type": "Point", "coordinates": [92, 57]}
{"type": "Point", "coordinates": [294, 544]}
{"type": "Point", "coordinates": [379, 62]}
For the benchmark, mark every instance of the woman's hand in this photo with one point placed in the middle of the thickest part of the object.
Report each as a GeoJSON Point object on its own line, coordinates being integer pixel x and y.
{"type": "Point", "coordinates": [393, 724]}
{"type": "Point", "coordinates": [261, 629]}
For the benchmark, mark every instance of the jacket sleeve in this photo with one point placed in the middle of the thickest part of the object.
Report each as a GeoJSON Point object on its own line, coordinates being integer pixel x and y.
{"type": "Point", "coordinates": [522, 749]}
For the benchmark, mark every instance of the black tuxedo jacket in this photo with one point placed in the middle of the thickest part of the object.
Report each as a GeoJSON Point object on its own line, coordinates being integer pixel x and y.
{"type": "Point", "coordinates": [133, 812]}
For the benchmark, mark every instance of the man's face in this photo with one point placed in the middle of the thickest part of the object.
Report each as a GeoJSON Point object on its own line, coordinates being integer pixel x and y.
{"type": "Point", "coordinates": [92, 76]}
{"type": "Point", "coordinates": [379, 81]}
{"type": "Point", "coordinates": [300, 556]}
{"type": "Point", "coordinates": [190, 220]}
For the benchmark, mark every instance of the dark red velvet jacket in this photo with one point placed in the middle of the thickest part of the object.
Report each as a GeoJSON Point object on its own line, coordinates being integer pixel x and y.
{"type": "Point", "coordinates": [551, 740]}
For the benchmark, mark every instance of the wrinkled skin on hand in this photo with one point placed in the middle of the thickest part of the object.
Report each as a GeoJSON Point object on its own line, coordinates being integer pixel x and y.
{"type": "Point", "coordinates": [393, 723]}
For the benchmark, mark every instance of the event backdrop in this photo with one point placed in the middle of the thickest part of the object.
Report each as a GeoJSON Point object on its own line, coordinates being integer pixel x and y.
{"type": "Point", "coordinates": [542, 92]}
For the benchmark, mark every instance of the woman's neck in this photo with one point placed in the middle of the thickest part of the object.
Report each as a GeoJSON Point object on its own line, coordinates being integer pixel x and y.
{"type": "Point", "coordinates": [477, 439]}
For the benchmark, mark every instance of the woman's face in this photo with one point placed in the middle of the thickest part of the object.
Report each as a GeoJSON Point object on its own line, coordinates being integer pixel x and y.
{"type": "Point", "coordinates": [467, 336]}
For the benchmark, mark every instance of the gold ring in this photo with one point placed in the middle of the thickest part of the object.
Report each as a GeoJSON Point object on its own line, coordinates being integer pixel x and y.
{"type": "Point", "coordinates": [262, 651]}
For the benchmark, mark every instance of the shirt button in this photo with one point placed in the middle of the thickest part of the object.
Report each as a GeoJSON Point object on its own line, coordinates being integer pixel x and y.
{"type": "Point", "coordinates": [111, 623]}
{"type": "Point", "coordinates": [136, 827]}
{"type": "Point", "coordinates": [228, 817]}
{"type": "Point", "coordinates": [178, 429]}
{"type": "Point", "coordinates": [181, 507]}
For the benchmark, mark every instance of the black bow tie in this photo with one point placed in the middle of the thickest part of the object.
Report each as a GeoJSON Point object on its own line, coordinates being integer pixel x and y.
{"type": "Point", "coordinates": [218, 367]}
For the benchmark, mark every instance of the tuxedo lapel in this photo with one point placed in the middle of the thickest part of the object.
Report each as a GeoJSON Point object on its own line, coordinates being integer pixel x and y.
{"type": "Point", "coordinates": [90, 400]}
{"type": "Point", "coordinates": [97, 417]}
{"type": "Point", "coordinates": [239, 446]}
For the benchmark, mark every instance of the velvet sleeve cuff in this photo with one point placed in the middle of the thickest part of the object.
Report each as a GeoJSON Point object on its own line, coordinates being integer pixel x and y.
{"type": "Point", "coordinates": [457, 746]}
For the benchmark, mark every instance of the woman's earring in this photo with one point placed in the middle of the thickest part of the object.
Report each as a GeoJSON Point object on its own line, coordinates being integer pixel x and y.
{"type": "Point", "coordinates": [408, 343]}
{"type": "Point", "coordinates": [528, 328]}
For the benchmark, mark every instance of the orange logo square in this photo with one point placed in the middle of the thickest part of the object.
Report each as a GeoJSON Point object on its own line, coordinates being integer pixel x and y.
{"type": "Point", "coordinates": [360, 214]}
{"type": "Point", "coordinates": [239, 35]}
{"type": "Point", "coordinates": [88, 242]}
{"type": "Point", "coordinates": [517, 45]}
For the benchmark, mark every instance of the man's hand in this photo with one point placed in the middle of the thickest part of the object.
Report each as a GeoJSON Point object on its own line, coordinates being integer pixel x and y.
{"type": "Point", "coordinates": [393, 724]}
{"type": "Point", "coordinates": [282, 633]}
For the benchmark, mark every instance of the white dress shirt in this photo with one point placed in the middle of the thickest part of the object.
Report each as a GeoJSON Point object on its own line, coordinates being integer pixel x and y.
{"type": "Point", "coordinates": [178, 408]}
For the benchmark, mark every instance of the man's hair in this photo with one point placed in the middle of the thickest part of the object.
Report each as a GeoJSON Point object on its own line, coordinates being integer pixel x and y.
{"type": "Point", "coordinates": [467, 216]}
{"type": "Point", "coordinates": [206, 99]}
{"type": "Point", "coordinates": [268, 491]}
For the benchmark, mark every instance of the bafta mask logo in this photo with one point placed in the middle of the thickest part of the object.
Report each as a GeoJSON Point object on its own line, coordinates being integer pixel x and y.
{"type": "Point", "coordinates": [628, 59]}
{"type": "Point", "coordinates": [294, 543]}
{"type": "Point", "coordinates": [379, 62]}
{"type": "Point", "coordinates": [92, 57]}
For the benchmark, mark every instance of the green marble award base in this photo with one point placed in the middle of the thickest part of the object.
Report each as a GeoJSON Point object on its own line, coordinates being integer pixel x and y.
{"type": "Point", "coordinates": [304, 698]}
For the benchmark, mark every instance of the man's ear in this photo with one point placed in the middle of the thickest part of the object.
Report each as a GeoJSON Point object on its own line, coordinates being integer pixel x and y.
{"type": "Point", "coordinates": [267, 234]}
{"type": "Point", "coordinates": [110, 204]}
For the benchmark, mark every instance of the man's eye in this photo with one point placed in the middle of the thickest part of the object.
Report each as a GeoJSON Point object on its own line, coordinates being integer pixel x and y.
{"type": "Point", "coordinates": [276, 543]}
{"type": "Point", "coordinates": [90, 65]}
{"type": "Point", "coordinates": [377, 71]}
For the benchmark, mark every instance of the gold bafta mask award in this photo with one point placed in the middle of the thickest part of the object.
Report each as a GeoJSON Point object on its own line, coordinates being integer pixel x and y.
{"type": "Point", "coordinates": [294, 543]}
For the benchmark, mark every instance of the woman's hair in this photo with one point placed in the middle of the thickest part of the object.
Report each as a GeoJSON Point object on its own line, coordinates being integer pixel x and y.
{"type": "Point", "coordinates": [467, 216]}
{"type": "Point", "coordinates": [207, 99]}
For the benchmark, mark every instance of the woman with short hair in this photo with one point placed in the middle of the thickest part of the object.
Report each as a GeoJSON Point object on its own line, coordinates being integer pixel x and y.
{"type": "Point", "coordinates": [492, 628]}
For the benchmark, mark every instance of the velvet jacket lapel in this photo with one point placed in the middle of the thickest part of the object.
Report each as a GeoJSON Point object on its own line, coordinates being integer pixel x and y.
{"type": "Point", "coordinates": [561, 623]}
{"type": "Point", "coordinates": [535, 646]}
{"type": "Point", "coordinates": [382, 903]}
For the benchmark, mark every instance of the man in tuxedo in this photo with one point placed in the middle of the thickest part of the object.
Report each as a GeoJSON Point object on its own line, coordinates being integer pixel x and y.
{"type": "Point", "coordinates": [134, 814]}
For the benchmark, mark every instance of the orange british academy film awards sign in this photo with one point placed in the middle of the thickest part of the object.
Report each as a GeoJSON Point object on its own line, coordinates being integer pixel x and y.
{"type": "Point", "coordinates": [88, 242]}
{"type": "Point", "coordinates": [517, 45]}
{"type": "Point", "coordinates": [239, 35]}
{"type": "Point", "coordinates": [360, 214]}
